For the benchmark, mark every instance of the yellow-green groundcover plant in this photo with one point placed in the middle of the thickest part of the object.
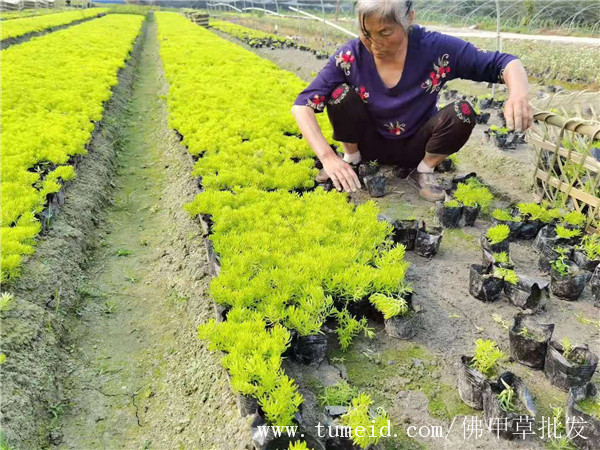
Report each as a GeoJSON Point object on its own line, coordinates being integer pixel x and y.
{"type": "Point", "coordinates": [53, 89]}
{"type": "Point", "coordinates": [19, 27]}
{"type": "Point", "coordinates": [233, 110]}
{"type": "Point", "coordinates": [288, 260]}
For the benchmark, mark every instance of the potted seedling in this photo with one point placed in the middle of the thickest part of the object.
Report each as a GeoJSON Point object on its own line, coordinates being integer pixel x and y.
{"type": "Point", "coordinates": [474, 371]}
{"type": "Point", "coordinates": [474, 197]}
{"type": "Point", "coordinates": [337, 400]}
{"type": "Point", "coordinates": [529, 341]}
{"type": "Point", "coordinates": [568, 366]}
{"type": "Point", "coordinates": [502, 137]}
{"type": "Point", "coordinates": [504, 217]}
{"type": "Point", "coordinates": [566, 280]}
{"type": "Point", "coordinates": [405, 231]}
{"type": "Point", "coordinates": [495, 240]}
{"type": "Point", "coordinates": [535, 216]}
{"type": "Point", "coordinates": [595, 285]}
{"type": "Point", "coordinates": [501, 260]}
{"type": "Point", "coordinates": [484, 285]}
{"type": "Point", "coordinates": [481, 118]}
{"type": "Point", "coordinates": [508, 406]}
{"type": "Point", "coordinates": [525, 292]}
{"type": "Point", "coordinates": [583, 410]}
{"type": "Point", "coordinates": [310, 343]}
{"type": "Point", "coordinates": [574, 220]}
{"type": "Point", "coordinates": [427, 242]}
{"type": "Point", "coordinates": [374, 183]}
{"type": "Point", "coordinates": [361, 415]}
{"type": "Point", "coordinates": [587, 254]}
{"type": "Point", "coordinates": [449, 213]}
{"type": "Point", "coordinates": [447, 165]}
{"type": "Point", "coordinates": [551, 253]}
{"type": "Point", "coordinates": [401, 320]}
{"type": "Point", "coordinates": [567, 236]}
{"type": "Point", "coordinates": [368, 169]}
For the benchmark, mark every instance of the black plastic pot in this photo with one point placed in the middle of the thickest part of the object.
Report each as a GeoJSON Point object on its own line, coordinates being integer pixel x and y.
{"type": "Point", "coordinates": [403, 327]}
{"type": "Point", "coordinates": [483, 285]}
{"type": "Point", "coordinates": [427, 242]}
{"type": "Point", "coordinates": [366, 170]}
{"type": "Point", "coordinates": [469, 215]}
{"type": "Point", "coordinates": [446, 165]}
{"type": "Point", "coordinates": [212, 257]}
{"type": "Point", "coordinates": [563, 373]}
{"type": "Point", "coordinates": [507, 425]}
{"type": "Point", "coordinates": [584, 262]}
{"type": "Point", "coordinates": [500, 247]}
{"type": "Point", "coordinates": [489, 261]}
{"type": "Point", "coordinates": [589, 436]}
{"type": "Point", "coordinates": [405, 233]}
{"type": "Point", "coordinates": [528, 293]}
{"type": "Point", "coordinates": [568, 287]}
{"type": "Point", "coordinates": [528, 351]}
{"type": "Point", "coordinates": [336, 439]}
{"type": "Point", "coordinates": [310, 349]}
{"type": "Point", "coordinates": [448, 216]}
{"type": "Point", "coordinates": [595, 284]}
{"type": "Point", "coordinates": [547, 255]}
{"type": "Point", "coordinates": [514, 227]}
{"type": "Point", "coordinates": [530, 229]}
{"type": "Point", "coordinates": [470, 384]}
{"type": "Point", "coordinates": [482, 118]}
{"type": "Point", "coordinates": [247, 405]}
{"type": "Point", "coordinates": [220, 311]}
{"type": "Point", "coordinates": [546, 237]}
{"type": "Point", "coordinates": [375, 184]}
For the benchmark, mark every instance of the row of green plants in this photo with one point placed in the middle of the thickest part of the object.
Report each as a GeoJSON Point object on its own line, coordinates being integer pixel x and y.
{"type": "Point", "coordinates": [30, 12]}
{"type": "Point", "coordinates": [241, 131]}
{"type": "Point", "coordinates": [19, 27]}
{"type": "Point", "coordinates": [251, 37]}
{"type": "Point", "coordinates": [288, 261]}
{"type": "Point", "coordinates": [48, 113]}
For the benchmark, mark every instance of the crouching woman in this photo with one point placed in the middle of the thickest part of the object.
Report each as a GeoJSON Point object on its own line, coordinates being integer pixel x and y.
{"type": "Point", "coordinates": [381, 91]}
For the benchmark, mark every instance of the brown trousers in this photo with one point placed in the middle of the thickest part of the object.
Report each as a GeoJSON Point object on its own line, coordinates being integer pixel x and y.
{"type": "Point", "coordinates": [445, 133]}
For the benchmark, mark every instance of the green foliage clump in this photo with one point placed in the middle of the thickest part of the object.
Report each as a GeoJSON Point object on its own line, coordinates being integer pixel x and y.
{"type": "Point", "coordinates": [487, 356]}
{"type": "Point", "coordinates": [497, 233]}
{"type": "Point", "coordinates": [451, 204]}
{"type": "Point", "coordinates": [7, 302]}
{"type": "Point", "coordinates": [504, 215]}
{"type": "Point", "coordinates": [501, 258]}
{"type": "Point", "coordinates": [389, 306]}
{"type": "Point", "coordinates": [349, 326]}
{"type": "Point", "coordinates": [507, 275]}
{"type": "Point", "coordinates": [340, 394]}
{"type": "Point", "coordinates": [574, 218]}
{"type": "Point", "coordinates": [590, 246]}
{"type": "Point", "coordinates": [508, 398]}
{"type": "Point", "coordinates": [501, 131]}
{"type": "Point", "coordinates": [590, 406]}
{"type": "Point", "coordinates": [471, 194]}
{"type": "Point", "coordinates": [360, 415]}
{"type": "Point", "coordinates": [535, 211]}
{"type": "Point", "coordinates": [298, 445]}
{"type": "Point", "coordinates": [567, 233]}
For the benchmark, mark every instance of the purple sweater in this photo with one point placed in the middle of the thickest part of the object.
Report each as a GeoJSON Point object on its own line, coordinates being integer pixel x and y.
{"type": "Point", "coordinates": [432, 59]}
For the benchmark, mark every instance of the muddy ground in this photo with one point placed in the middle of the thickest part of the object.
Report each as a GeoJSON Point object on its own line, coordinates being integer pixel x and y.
{"type": "Point", "coordinates": [101, 346]}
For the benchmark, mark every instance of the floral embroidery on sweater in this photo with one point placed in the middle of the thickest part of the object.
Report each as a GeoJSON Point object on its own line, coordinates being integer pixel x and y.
{"type": "Point", "coordinates": [339, 94]}
{"type": "Point", "coordinates": [397, 128]}
{"type": "Point", "coordinates": [362, 93]}
{"type": "Point", "coordinates": [434, 82]}
{"type": "Point", "coordinates": [344, 61]}
{"type": "Point", "coordinates": [317, 102]}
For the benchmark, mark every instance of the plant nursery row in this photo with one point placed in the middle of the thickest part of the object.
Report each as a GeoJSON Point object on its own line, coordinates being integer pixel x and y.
{"type": "Point", "coordinates": [49, 111]}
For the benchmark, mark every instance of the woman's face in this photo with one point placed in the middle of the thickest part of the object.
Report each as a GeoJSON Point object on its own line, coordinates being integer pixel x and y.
{"type": "Point", "coordinates": [383, 39]}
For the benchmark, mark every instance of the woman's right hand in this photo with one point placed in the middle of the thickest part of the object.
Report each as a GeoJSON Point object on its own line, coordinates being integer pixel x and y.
{"type": "Point", "coordinates": [341, 173]}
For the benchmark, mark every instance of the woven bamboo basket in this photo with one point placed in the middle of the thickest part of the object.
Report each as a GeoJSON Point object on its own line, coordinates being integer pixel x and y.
{"type": "Point", "coordinates": [567, 172]}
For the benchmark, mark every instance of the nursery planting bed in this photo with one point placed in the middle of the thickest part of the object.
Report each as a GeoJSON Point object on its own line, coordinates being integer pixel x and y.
{"type": "Point", "coordinates": [307, 308]}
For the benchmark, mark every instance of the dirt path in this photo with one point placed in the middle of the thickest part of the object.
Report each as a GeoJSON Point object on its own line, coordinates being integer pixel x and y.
{"type": "Point", "coordinates": [144, 380]}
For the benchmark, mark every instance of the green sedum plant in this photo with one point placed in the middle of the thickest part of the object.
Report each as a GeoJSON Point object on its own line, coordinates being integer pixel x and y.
{"type": "Point", "coordinates": [497, 233]}
{"type": "Point", "coordinates": [340, 394]}
{"type": "Point", "coordinates": [508, 398]}
{"type": "Point", "coordinates": [486, 358]}
{"type": "Point", "coordinates": [360, 415]}
{"type": "Point", "coordinates": [389, 306]}
{"type": "Point", "coordinates": [590, 246]}
{"type": "Point", "coordinates": [566, 233]}
{"type": "Point", "coordinates": [501, 258]}
{"type": "Point", "coordinates": [504, 215]}
{"type": "Point", "coordinates": [451, 204]}
{"type": "Point", "coordinates": [471, 194]}
{"type": "Point", "coordinates": [574, 218]}
{"type": "Point", "coordinates": [349, 326]}
{"type": "Point", "coordinates": [507, 275]}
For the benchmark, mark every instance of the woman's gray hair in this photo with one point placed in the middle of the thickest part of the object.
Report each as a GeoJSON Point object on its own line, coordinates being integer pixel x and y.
{"type": "Point", "coordinates": [392, 11]}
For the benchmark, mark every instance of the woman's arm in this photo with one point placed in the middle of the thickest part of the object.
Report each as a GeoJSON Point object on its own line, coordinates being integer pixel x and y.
{"type": "Point", "coordinates": [339, 171]}
{"type": "Point", "coordinates": [517, 109]}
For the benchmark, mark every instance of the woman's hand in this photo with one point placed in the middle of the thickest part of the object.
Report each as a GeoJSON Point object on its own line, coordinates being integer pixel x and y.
{"type": "Point", "coordinates": [341, 173]}
{"type": "Point", "coordinates": [518, 112]}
